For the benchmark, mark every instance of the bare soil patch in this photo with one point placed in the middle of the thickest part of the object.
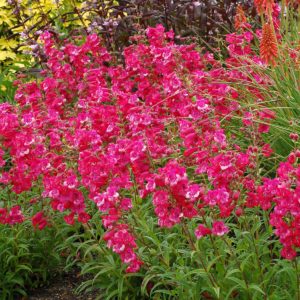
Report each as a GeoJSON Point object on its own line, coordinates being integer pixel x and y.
{"type": "Point", "coordinates": [62, 287]}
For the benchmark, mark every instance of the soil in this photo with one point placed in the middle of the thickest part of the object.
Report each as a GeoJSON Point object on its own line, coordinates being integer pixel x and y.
{"type": "Point", "coordinates": [62, 288]}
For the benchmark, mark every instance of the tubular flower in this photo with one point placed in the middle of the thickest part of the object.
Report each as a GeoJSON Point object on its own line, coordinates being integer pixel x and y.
{"type": "Point", "coordinates": [149, 127]}
{"type": "Point", "coordinates": [240, 18]}
{"type": "Point", "coordinates": [259, 5]}
{"type": "Point", "coordinates": [268, 45]}
{"type": "Point", "coordinates": [264, 6]}
{"type": "Point", "coordinates": [268, 4]}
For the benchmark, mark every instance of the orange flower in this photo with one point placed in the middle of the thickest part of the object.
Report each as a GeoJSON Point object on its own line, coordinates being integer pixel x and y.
{"type": "Point", "coordinates": [240, 18]}
{"type": "Point", "coordinates": [264, 6]}
{"type": "Point", "coordinates": [259, 4]}
{"type": "Point", "coordinates": [268, 45]}
{"type": "Point", "coordinates": [269, 6]}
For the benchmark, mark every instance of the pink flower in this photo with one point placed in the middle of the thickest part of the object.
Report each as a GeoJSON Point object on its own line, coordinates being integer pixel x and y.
{"type": "Point", "coordinates": [219, 228]}
{"type": "Point", "coordinates": [83, 217]}
{"type": "Point", "coordinates": [69, 219]}
{"type": "Point", "coordinates": [288, 253]}
{"type": "Point", "coordinates": [202, 231]}
{"type": "Point", "coordinates": [39, 221]}
{"type": "Point", "coordinates": [267, 150]}
{"type": "Point", "coordinates": [157, 126]}
{"type": "Point", "coordinates": [218, 196]}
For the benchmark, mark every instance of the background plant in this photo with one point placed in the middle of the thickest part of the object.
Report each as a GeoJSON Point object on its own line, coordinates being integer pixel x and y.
{"type": "Point", "coordinates": [22, 22]}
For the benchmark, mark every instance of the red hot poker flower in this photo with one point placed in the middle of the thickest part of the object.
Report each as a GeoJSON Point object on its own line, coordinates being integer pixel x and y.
{"type": "Point", "coordinates": [268, 45]}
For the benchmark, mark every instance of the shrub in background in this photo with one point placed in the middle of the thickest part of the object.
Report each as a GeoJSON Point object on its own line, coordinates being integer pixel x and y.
{"type": "Point", "coordinates": [116, 21]}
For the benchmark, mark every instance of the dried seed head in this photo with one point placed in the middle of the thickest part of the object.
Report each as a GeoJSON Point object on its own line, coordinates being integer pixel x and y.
{"type": "Point", "coordinates": [268, 45]}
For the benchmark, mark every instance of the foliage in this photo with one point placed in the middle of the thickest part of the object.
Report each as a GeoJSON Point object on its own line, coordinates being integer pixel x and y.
{"type": "Point", "coordinates": [21, 22]}
{"type": "Point", "coordinates": [285, 90]}
{"type": "Point", "coordinates": [7, 90]}
{"type": "Point", "coordinates": [202, 19]}
{"type": "Point", "coordinates": [116, 21]}
{"type": "Point", "coordinates": [28, 258]}
{"type": "Point", "coordinates": [239, 265]}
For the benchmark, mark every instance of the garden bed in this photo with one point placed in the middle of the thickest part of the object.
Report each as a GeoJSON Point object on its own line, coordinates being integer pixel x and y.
{"type": "Point", "coordinates": [62, 288]}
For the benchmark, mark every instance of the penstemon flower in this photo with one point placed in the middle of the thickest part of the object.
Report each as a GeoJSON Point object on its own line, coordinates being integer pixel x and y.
{"type": "Point", "coordinates": [202, 231]}
{"type": "Point", "coordinates": [154, 129]}
{"type": "Point", "coordinates": [39, 221]}
{"type": "Point", "coordinates": [219, 228]}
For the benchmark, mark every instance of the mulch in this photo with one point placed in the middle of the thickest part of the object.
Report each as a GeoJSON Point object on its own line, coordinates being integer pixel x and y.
{"type": "Point", "coordinates": [62, 287]}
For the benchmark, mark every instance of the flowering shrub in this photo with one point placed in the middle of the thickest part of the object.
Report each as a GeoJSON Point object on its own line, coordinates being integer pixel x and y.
{"type": "Point", "coordinates": [168, 128]}
{"type": "Point", "coordinates": [283, 191]}
{"type": "Point", "coordinates": [21, 22]}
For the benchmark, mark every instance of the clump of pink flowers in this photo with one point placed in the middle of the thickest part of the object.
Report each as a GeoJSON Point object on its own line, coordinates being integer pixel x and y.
{"type": "Point", "coordinates": [155, 127]}
{"type": "Point", "coordinates": [282, 194]}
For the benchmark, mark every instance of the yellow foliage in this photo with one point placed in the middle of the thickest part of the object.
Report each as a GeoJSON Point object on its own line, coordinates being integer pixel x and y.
{"type": "Point", "coordinates": [8, 44]}
{"type": "Point", "coordinates": [36, 14]}
{"type": "Point", "coordinates": [6, 54]}
{"type": "Point", "coordinates": [6, 17]}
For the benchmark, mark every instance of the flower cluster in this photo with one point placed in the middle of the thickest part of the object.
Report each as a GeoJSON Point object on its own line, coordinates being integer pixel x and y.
{"type": "Point", "coordinates": [282, 194]}
{"type": "Point", "coordinates": [39, 221]}
{"type": "Point", "coordinates": [154, 128]}
{"type": "Point", "coordinates": [240, 20]}
{"type": "Point", "coordinates": [122, 242]}
{"type": "Point", "coordinates": [264, 6]}
{"type": "Point", "coordinates": [12, 216]}
{"type": "Point", "coordinates": [218, 229]}
{"type": "Point", "coordinates": [268, 45]}
{"type": "Point", "coordinates": [269, 42]}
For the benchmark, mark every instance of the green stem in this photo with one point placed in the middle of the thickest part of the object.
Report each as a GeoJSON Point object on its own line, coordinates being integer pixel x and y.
{"type": "Point", "coordinates": [238, 265]}
{"type": "Point", "coordinates": [258, 261]}
{"type": "Point", "coordinates": [193, 247]}
{"type": "Point", "coordinates": [213, 243]}
{"type": "Point", "coordinates": [297, 278]}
